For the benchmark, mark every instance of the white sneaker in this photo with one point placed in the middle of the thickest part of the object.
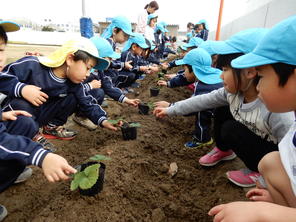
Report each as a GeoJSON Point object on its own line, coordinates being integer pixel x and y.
{"type": "Point", "coordinates": [26, 174]}
{"type": "Point", "coordinates": [85, 122]}
{"type": "Point", "coordinates": [3, 212]}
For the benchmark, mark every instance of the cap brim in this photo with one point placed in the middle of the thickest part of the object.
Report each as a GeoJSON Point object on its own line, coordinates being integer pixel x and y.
{"type": "Point", "coordinates": [222, 48]}
{"type": "Point", "coordinates": [115, 55]}
{"type": "Point", "coordinates": [251, 60]}
{"type": "Point", "coordinates": [143, 45]}
{"type": "Point", "coordinates": [128, 33]}
{"type": "Point", "coordinates": [9, 26]}
{"type": "Point", "coordinates": [207, 74]}
{"type": "Point", "coordinates": [183, 48]}
{"type": "Point", "coordinates": [102, 64]}
{"type": "Point", "coordinates": [180, 62]}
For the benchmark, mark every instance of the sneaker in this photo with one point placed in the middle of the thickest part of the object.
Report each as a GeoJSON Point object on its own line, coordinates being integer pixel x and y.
{"type": "Point", "coordinates": [85, 122]}
{"type": "Point", "coordinates": [58, 132]}
{"type": "Point", "coordinates": [104, 104]}
{"type": "Point", "coordinates": [215, 156]}
{"type": "Point", "coordinates": [196, 144]}
{"type": "Point", "coordinates": [141, 77]}
{"type": "Point", "coordinates": [26, 174]}
{"type": "Point", "coordinates": [243, 177]}
{"type": "Point", "coordinates": [3, 212]}
{"type": "Point", "coordinates": [130, 90]}
{"type": "Point", "coordinates": [44, 142]}
{"type": "Point", "coordinates": [135, 85]}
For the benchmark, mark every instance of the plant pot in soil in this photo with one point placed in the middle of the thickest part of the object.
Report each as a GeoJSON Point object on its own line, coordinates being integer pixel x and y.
{"type": "Point", "coordinates": [98, 186]}
{"type": "Point", "coordinates": [143, 108]}
{"type": "Point", "coordinates": [128, 133]}
{"type": "Point", "coordinates": [154, 91]}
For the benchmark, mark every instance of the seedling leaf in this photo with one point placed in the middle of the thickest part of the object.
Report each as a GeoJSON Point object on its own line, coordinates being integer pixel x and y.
{"type": "Point", "coordinates": [135, 125]}
{"type": "Point", "coordinates": [99, 157]}
{"type": "Point", "coordinates": [87, 178]}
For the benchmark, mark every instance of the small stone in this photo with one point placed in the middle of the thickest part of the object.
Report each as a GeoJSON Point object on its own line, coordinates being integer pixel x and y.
{"type": "Point", "coordinates": [109, 152]}
{"type": "Point", "coordinates": [173, 169]}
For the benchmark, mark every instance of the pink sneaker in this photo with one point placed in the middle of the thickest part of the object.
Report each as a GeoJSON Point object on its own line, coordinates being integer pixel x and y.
{"type": "Point", "coordinates": [215, 156]}
{"type": "Point", "coordinates": [243, 177]}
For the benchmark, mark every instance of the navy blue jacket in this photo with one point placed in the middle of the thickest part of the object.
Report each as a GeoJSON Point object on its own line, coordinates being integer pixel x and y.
{"type": "Point", "coordinates": [29, 70]}
{"type": "Point", "coordinates": [114, 92]}
{"type": "Point", "coordinates": [14, 147]}
{"type": "Point", "coordinates": [178, 80]}
{"type": "Point", "coordinates": [136, 60]}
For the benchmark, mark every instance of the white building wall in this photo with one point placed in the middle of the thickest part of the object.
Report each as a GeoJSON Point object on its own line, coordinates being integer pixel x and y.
{"type": "Point", "coordinates": [256, 14]}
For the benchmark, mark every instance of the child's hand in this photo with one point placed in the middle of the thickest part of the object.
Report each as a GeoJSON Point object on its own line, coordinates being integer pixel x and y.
{"type": "Point", "coordinates": [95, 84]}
{"type": "Point", "coordinates": [127, 65]}
{"type": "Point", "coordinates": [144, 68]}
{"type": "Point", "coordinates": [164, 65]}
{"type": "Point", "coordinates": [132, 102]}
{"type": "Point", "coordinates": [12, 115]}
{"type": "Point", "coordinates": [56, 168]}
{"type": "Point", "coordinates": [258, 194]}
{"type": "Point", "coordinates": [170, 76]}
{"type": "Point", "coordinates": [162, 83]}
{"type": "Point", "coordinates": [154, 69]}
{"type": "Point", "coordinates": [161, 104]}
{"type": "Point", "coordinates": [239, 212]}
{"type": "Point", "coordinates": [109, 125]}
{"type": "Point", "coordinates": [34, 95]}
{"type": "Point", "coordinates": [160, 112]}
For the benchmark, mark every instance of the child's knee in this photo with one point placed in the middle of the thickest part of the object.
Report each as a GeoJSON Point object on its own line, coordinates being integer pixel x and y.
{"type": "Point", "coordinates": [269, 162]}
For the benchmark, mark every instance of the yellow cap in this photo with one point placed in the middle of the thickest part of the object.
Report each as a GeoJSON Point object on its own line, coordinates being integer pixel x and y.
{"type": "Point", "coordinates": [58, 57]}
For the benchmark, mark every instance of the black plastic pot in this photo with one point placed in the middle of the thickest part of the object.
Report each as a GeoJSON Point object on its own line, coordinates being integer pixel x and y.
{"type": "Point", "coordinates": [164, 71]}
{"type": "Point", "coordinates": [98, 186]}
{"type": "Point", "coordinates": [128, 133]}
{"type": "Point", "coordinates": [154, 91]}
{"type": "Point", "coordinates": [143, 108]}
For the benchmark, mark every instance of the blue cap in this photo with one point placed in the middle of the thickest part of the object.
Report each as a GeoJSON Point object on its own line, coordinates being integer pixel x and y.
{"type": "Point", "coordinates": [151, 16]}
{"type": "Point", "coordinates": [194, 42]}
{"type": "Point", "coordinates": [137, 39]}
{"type": "Point", "coordinates": [118, 22]}
{"type": "Point", "coordinates": [201, 62]}
{"type": "Point", "coordinates": [159, 26]}
{"type": "Point", "coordinates": [242, 42]}
{"type": "Point", "coordinates": [104, 48]}
{"type": "Point", "coordinates": [207, 45]}
{"type": "Point", "coordinates": [278, 45]}
{"type": "Point", "coordinates": [9, 26]}
{"type": "Point", "coordinates": [205, 22]}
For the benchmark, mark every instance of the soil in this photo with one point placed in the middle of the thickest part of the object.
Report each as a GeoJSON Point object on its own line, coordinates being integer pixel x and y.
{"type": "Point", "coordinates": [137, 186]}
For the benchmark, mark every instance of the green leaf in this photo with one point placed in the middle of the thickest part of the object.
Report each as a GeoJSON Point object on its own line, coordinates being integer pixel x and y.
{"type": "Point", "coordinates": [135, 125]}
{"type": "Point", "coordinates": [74, 185]}
{"type": "Point", "coordinates": [151, 105]}
{"type": "Point", "coordinates": [91, 176]}
{"type": "Point", "coordinates": [113, 121]}
{"type": "Point", "coordinates": [99, 157]}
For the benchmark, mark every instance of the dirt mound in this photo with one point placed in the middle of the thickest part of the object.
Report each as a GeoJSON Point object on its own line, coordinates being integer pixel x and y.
{"type": "Point", "coordinates": [137, 186]}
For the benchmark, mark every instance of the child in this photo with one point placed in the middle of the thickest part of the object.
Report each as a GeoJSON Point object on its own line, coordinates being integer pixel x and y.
{"type": "Point", "coordinates": [118, 32]}
{"type": "Point", "coordinates": [150, 8]}
{"type": "Point", "coordinates": [60, 75]}
{"type": "Point", "coordinates": [97, 84]}
{"type": "Point", "coordinates": [252, 212]}
{"type": "Point", "coordinates": [190, 31]}
{"type": "Point", "coordinates": [246, 126]}
{"type": "Point", "coordinates": [132, 52]}
{"type": "Point", "coordinates": [149, 29]}
{"type": "Point", "coordinates": [198, 69]}
{"type": "Point", "coordinates": [16, 152]}
{"type": "Point", "coordinates": [160, 38]}
{"type": "Point", "coordinates": [275, 62]}
{"type": "Point", "coordinates": [202, 30]}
